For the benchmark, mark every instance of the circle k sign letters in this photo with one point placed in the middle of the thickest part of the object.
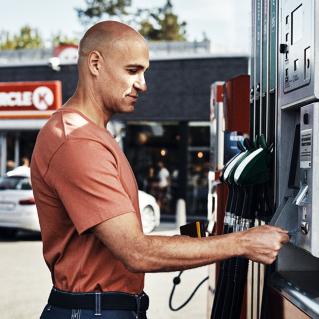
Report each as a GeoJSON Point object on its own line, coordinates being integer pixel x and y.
{"type": "Point", "coordinates": [29, 99]}
{"type": "Point", "coordinates": [42, 97]}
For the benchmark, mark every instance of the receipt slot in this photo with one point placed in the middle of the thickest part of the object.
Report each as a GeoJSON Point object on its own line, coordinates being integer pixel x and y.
{"type": "Point", "coordinates": [307, 200]}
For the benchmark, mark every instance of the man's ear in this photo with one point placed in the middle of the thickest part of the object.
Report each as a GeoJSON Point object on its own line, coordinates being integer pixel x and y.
{"type": "Point", "coordinates": [94, 62]}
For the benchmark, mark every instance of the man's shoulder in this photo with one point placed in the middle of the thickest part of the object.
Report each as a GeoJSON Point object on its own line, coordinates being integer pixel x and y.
{"type": "Point", "coordinates": [70, 124]}
{"type": "Point", "coordinates": [49, 139]}
{"type": "Point", "coordinates": [53, 127]}
{"type": "Point", "coordinates": [68, 131]}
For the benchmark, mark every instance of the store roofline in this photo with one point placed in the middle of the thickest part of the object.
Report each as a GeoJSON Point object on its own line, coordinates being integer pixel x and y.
{"type": "Point", "coordinates": [200, 56]}
{"type": "Point", "coordinates": [163, 58]}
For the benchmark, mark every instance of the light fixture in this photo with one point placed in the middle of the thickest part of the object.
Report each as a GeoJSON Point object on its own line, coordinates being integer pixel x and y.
{"type": "Point", "coordinates": [200, 154]}
{"type": "Point", "coordinates": [163, 152]}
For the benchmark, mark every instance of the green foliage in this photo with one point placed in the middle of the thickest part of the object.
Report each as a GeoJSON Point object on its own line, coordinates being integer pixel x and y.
{"type": "Point", "coordinates": [61, 39]}
{"type": "Point", "coordinates": [27, 38]}
{"type": "Point", "coordinates": [162, 24]}
{"type": "Point", "coordinates": [97, 9]}
{"type": "Point", "coordinates": [154, 24]}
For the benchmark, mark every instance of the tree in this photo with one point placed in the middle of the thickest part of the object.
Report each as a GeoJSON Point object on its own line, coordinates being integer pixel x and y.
{"type": "Point", "coordinates": [27, 38]}
{"type": "Point", "coordinates": [61, 39]}
{"type": "Point", "coordinates": [162, 24]}
{"type": "Point", "coordinates": [154, 24]}
{"type": "Point", "coordinates": [97, 9]}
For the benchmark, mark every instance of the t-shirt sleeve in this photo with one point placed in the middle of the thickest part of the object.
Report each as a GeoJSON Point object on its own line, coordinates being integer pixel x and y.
{"type": "Point", "coordinates": [85, 176]}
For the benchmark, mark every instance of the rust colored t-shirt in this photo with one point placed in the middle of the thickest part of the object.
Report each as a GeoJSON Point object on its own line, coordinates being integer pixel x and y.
{"type": "Point", "coordinates": [80, 178]}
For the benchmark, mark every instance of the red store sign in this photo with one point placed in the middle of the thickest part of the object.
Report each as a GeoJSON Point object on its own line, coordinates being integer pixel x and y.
{"type": "Point", "coordinates": [29, 99]}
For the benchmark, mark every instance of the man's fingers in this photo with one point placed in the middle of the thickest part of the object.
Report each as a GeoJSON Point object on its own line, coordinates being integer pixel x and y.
{"type": "Point", "coordinates": [265, 259]}
{"type": "Point", "coordinates": [281, 230]}
{"type": "Point", "coordinates": [278, 229]}
{"type": "Point", "coordinates": [265, 243]}
{"type": "Point", "coordinates": [284, 238]}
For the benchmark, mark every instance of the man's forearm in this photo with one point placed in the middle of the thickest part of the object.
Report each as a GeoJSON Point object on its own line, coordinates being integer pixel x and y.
{"type": "Point", "coordinates": [140, 253]}
{"type": "Point", "coordinates": [162, 253]}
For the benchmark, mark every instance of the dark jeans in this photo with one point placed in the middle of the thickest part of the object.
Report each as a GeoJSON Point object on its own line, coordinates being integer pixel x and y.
{"type": "Point", "coordinates": [51, 312]}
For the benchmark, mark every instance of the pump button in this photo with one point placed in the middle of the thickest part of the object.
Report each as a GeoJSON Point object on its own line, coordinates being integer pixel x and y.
{"type": "Point", "coordinates": [304, 227]}
{"type": "Point", "coordinates": [283, 48]}
{"type": "Point", "coordinates": [306, 118]}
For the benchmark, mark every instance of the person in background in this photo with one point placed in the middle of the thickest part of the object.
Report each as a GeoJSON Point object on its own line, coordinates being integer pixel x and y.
{"type": "Point", "coordinates": [22, 170]}
{"type": "Point", "coordinates": [163, 177]}
{"type": "Point", "coordinates": [10, 165]}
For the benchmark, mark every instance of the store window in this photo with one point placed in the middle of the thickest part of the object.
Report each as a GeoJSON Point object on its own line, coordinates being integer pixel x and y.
{"type": "Point", "coordinates": [27, 142]}
{"type": "Point", "coordinates": [16, 148]}
{"type": "Point", "coordinates": [152, 149]}
{"type": "Point", "coordinates": [170, 167]}
{"type": "Point", "coordinates": [198, 167]}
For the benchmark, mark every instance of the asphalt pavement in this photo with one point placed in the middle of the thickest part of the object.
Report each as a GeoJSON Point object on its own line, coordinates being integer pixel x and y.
{"type": "Point", "coordinates": [25, 283]}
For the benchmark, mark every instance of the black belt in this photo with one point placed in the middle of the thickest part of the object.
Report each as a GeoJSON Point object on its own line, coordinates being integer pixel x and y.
{"type": "Point", "coordinates": [98, 300]}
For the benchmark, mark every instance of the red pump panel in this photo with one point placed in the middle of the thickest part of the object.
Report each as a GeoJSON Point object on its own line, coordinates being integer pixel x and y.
{"type": "Point", "coordinates": [236, 104]}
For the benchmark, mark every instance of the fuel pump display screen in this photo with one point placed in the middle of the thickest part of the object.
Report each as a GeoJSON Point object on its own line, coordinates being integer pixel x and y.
{"type": "Point", "coordinates": [297, 25]}
{"type": "Point", "coordinates": [305, 148]}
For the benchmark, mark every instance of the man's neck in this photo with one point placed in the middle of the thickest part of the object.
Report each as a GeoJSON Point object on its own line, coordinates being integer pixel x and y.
{"type": "Point", "coordinates": [86, 104]}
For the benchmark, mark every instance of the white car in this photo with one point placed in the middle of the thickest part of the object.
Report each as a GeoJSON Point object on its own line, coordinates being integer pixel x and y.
{"type": "Point", "coordinates": [150, 211]}
{"type": "Point", "coordinates": [18, 210]}
{"type": "Point", "coordinates": [17, 206]}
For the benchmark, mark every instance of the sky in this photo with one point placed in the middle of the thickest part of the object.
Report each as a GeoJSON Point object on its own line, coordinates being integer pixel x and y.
{"type": "Point", "coordinates": [225, 22]}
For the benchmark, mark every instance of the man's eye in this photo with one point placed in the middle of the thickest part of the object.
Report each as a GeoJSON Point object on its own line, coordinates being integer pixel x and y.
{"type": "Point", "coordinates": [132, 71]}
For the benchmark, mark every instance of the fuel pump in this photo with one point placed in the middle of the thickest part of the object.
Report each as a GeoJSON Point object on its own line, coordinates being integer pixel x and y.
{"type": "Point", "coordinates": [306, 199]}
{"type": "Point", "coordinates": [253, 175]}
{"type": "Point", "coordinates": [229, 101]}
{"type": "Point", "coordinates": [243, 174]}
{"type": "Point", "coordinates": [285, 105]}
{"type": "Point", "coordinates": [298, 264]}
{"type": "Point", "coordinates": [223, 277]}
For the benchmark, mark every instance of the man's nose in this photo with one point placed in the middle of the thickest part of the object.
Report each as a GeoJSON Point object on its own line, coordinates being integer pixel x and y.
{"type": "Point", "coordinates": [140, 84]}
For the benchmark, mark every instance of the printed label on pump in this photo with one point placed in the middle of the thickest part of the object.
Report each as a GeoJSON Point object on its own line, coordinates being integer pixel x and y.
{"type": "Point", "coordinates": [305, 148]}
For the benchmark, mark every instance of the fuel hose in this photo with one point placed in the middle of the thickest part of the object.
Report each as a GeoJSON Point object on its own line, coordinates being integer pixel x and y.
{"type": "Point", "coordinates": [177, 281]}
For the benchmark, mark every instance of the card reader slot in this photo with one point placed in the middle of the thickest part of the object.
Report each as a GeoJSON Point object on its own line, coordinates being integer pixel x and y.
{"type": "Point", "coordinates": [293, 181]}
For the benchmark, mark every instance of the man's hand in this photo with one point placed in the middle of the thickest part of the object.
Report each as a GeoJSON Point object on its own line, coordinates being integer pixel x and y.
{"type": "Point", "coordinates": [263, 243]}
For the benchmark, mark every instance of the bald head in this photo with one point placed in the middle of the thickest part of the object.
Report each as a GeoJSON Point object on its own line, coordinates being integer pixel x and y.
{"type": "Point", "coordinates": [105, 35]}
{"type": "Point", "coordinates": [113, 58]}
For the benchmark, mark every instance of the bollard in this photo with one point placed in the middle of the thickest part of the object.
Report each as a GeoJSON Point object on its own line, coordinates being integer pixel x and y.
{"type": "Point", "coordinates": [180, 212]}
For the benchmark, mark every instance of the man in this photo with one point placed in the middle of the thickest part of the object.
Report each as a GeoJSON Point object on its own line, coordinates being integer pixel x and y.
{"type": "Point", "coordinates": [163, 176]}
{"type": "Point", "coordinates": [23, 170]}
{"type": "Point", "coordinates": [163, 185]}
{"type": "Point", "coordinates": [86, 194]}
